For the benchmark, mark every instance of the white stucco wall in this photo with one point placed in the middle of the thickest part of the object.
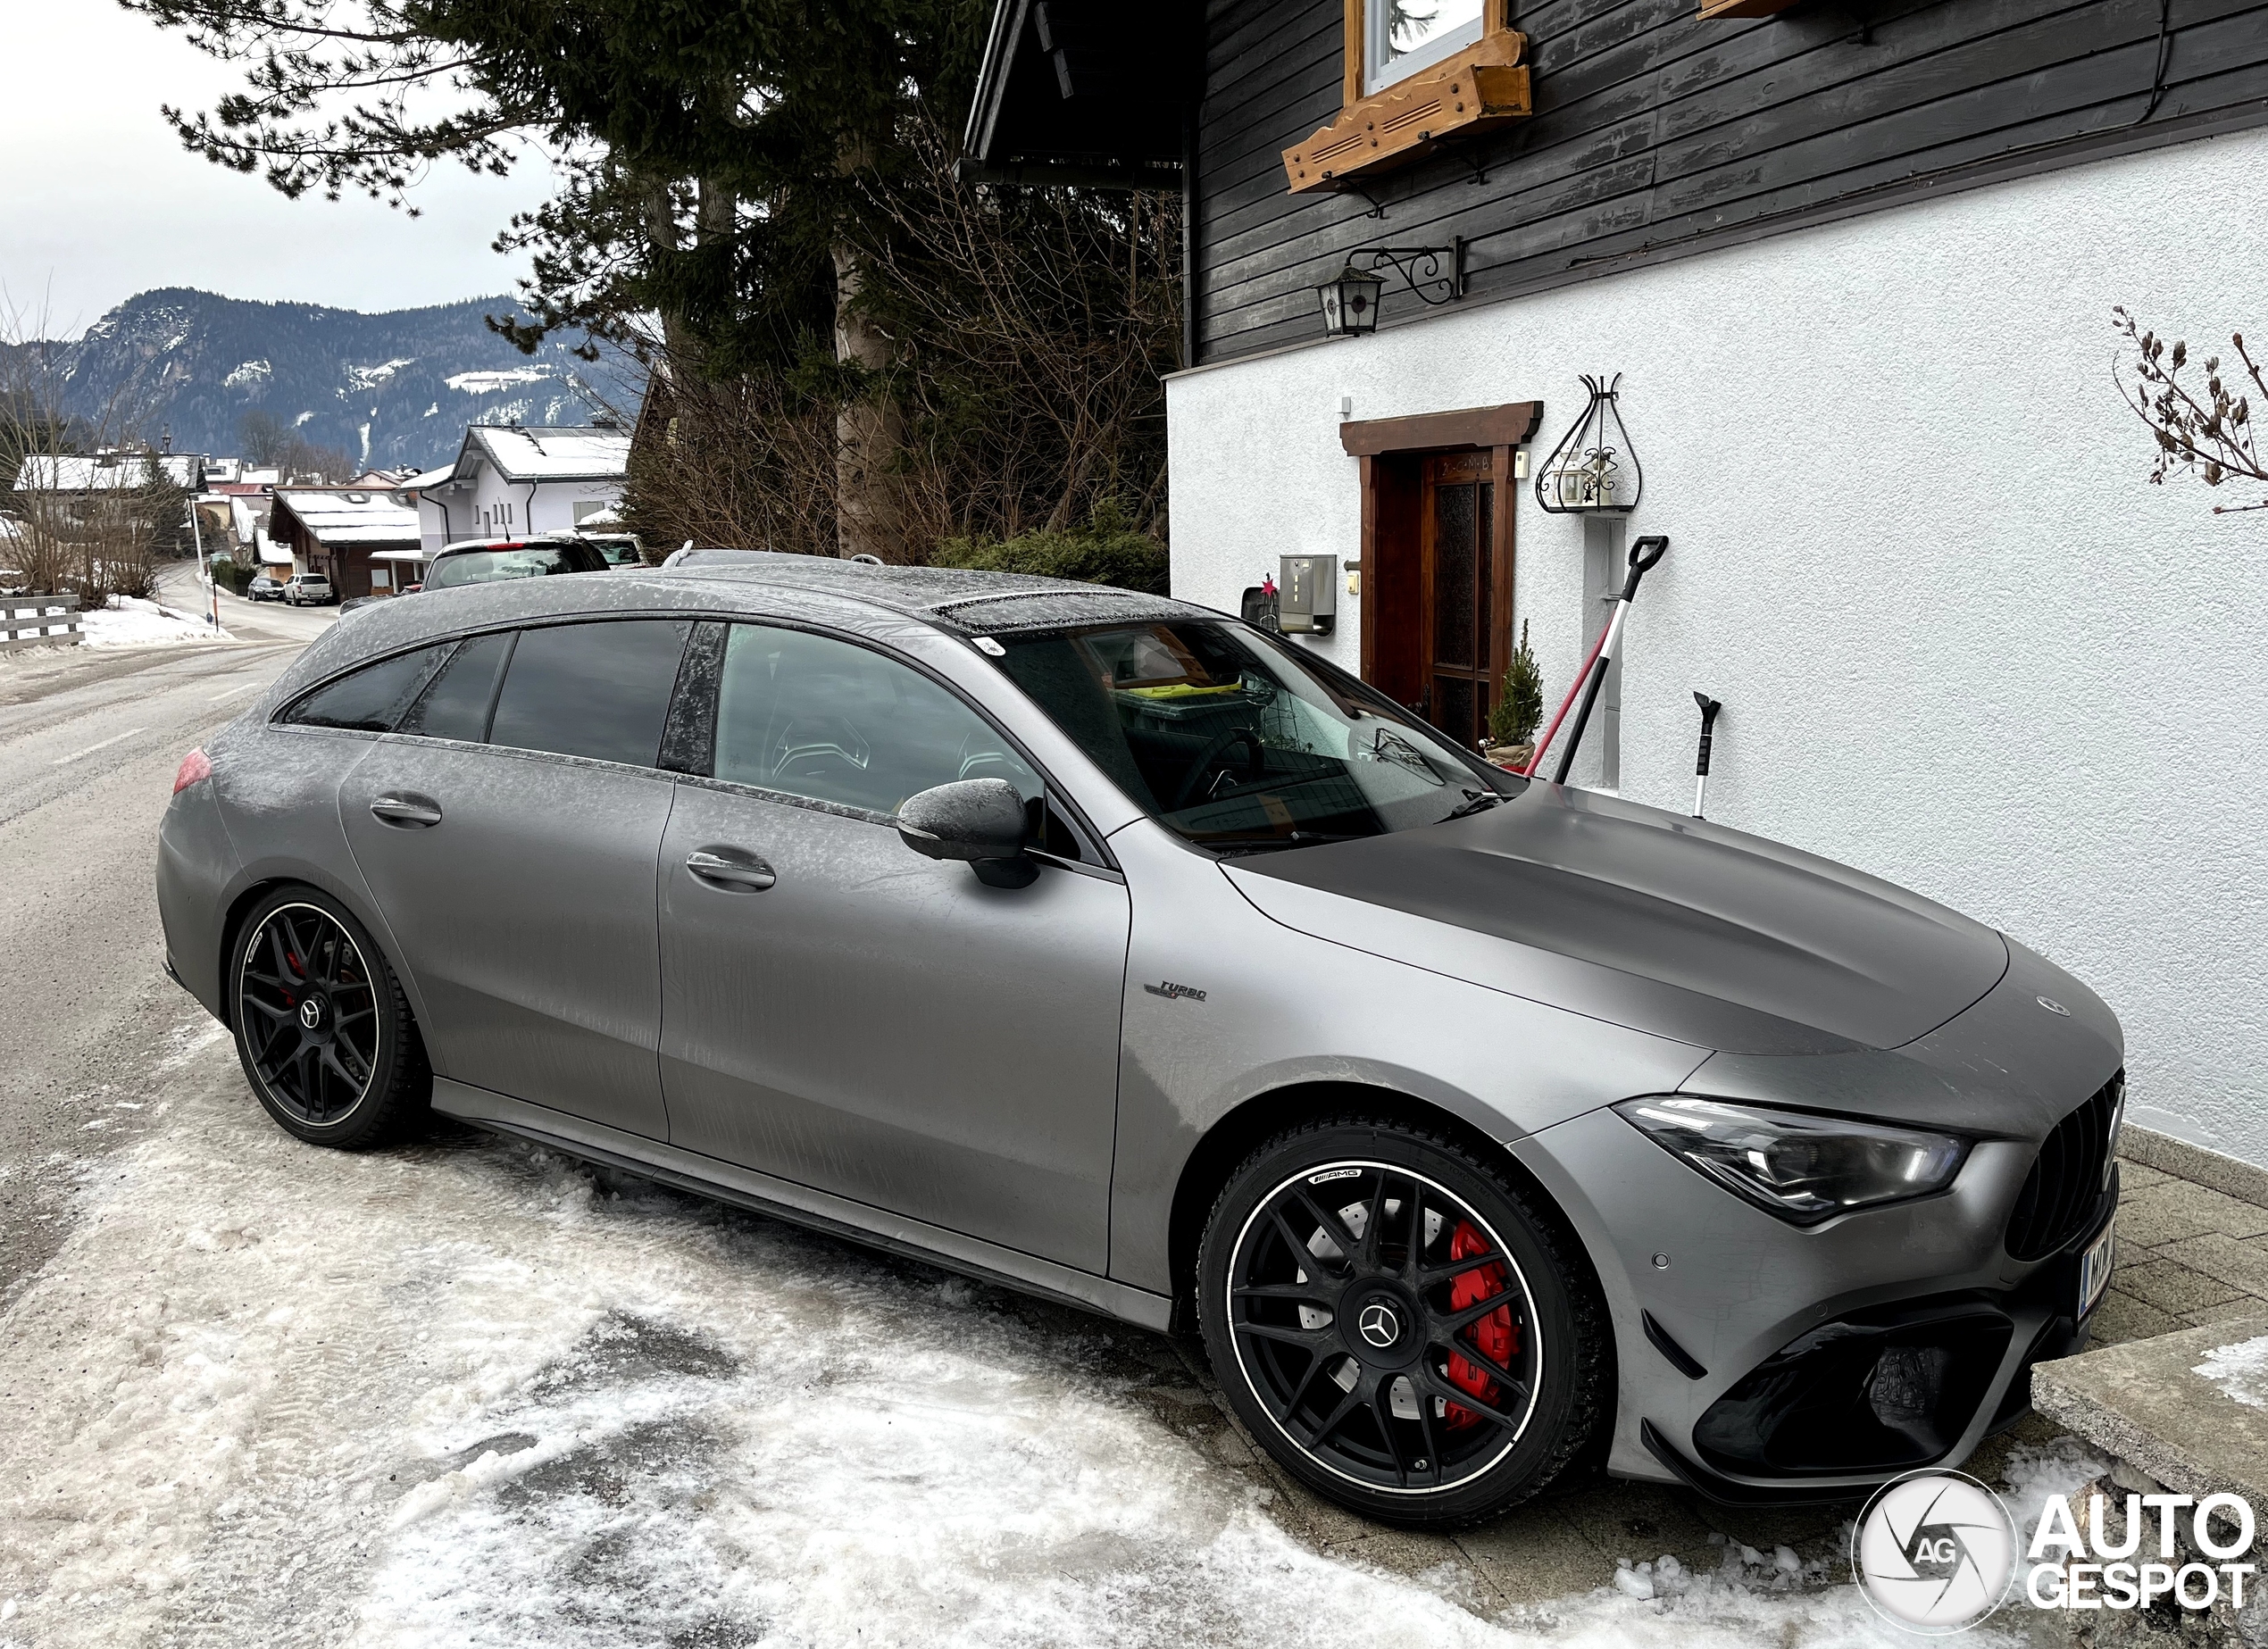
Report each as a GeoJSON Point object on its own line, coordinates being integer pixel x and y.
{"type": "Point", "coordinates": [493, 506]}
{"type": "Point", "coordinates": [1960, 641]}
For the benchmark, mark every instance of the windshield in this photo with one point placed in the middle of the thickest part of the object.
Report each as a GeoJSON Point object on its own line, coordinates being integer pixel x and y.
{"type": "Point", "coordinates": [1239, 743]}
{"type": "Point", "coordinates": [522, 561]}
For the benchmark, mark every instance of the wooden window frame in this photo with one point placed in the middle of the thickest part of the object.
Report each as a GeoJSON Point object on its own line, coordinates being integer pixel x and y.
{"type": "Point", "coordinates": [1475, 89]}
{"type": "Point", "coordinates": [1494, 18]}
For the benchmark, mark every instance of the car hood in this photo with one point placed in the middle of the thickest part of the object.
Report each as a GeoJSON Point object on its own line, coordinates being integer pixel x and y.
{"type": "Point", "coordinates": [1663, 923]}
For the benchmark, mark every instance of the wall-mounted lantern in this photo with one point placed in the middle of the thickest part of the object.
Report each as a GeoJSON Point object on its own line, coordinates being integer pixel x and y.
{"type": "Point", "coordinates": [1350, 298]}
{"type": "Point", "coordinates": [1594, 470]}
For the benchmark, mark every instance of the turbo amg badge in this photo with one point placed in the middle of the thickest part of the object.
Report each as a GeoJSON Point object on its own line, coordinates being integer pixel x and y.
{"type": "Point", "coordinates": [1167, 987]}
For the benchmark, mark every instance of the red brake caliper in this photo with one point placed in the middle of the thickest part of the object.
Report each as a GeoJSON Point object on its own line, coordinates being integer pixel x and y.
{"type": "Point", "coordinates": [1493, 1336]}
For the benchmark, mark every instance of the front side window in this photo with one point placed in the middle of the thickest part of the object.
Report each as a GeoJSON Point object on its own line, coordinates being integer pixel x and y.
{"type": "Point", "coordinates": [371, 699]}
{"type": "Point", "coordinates": [812, 716]}
{"type": "Point", "coordinates": [1401, 36]}
{"type": "Point", "coordinates": [600, 690]}
{"type": "Point", "coordinates": [1240, 743]}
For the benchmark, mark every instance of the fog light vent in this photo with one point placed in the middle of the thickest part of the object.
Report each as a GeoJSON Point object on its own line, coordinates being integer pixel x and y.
{"type": "Point", "coordinates": [1877, 1394]}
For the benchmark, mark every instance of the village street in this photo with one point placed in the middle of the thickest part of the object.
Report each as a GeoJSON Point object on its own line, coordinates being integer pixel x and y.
{"type": "Point", "coordinates": [465, 1392]}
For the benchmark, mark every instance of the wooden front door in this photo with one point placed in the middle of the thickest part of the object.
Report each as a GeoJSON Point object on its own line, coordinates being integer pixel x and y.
{"type": "Point", "coordinates": [1457, 541]}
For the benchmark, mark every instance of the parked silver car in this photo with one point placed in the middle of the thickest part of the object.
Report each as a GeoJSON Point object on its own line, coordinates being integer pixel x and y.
{"type": "Point", "coordinates": [1110, 948]}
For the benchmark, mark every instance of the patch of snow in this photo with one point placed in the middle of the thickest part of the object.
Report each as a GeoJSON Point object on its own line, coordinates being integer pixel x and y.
{"type": "Point", "coordinates": [502, 378]}
{"type": "Point", "coordinates": [2239, 1371]}
{"type": "Point", "coordinates": [467, 1393]}
{"type": "Point", "coordinates": [432, 410]}
{"type": "Point", "coordinates": [250, 373]}
{"type": "Point", "coordinates": [302, 418]}
{"type": "Point", "coordinates": [371, 377]}
{"type": "Point", "coordinates": [129, 622]}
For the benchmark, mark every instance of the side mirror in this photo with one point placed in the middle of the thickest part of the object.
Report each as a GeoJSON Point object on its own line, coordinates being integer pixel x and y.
{"type": "Point", "coordinates": [981, 821]}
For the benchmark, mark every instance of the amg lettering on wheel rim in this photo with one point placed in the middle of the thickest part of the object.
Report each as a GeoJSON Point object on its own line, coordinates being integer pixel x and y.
{"type": "Point", "coordinates": [1384, 1327]}
{"type": "Point", "coordinates": [309, 1012]}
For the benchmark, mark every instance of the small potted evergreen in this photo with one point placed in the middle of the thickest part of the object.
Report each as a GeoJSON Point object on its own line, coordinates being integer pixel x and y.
{"type": "Point", "coordinates": [1519, 706]}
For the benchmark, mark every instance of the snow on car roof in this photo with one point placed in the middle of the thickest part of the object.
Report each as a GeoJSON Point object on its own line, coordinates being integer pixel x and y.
{"type": "Point", "coordinates": [962, 600]}
{"type": "Point", "coordinates": [849, 594]}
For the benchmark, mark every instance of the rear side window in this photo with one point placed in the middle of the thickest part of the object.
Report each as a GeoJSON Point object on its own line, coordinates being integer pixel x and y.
{"type": "Point", "coordinates": [371, 699]}
{"type": "Point", "coordinates": [457, 704]}
{"type": "Point", "coordinates": [599, 690]}
{"type": "Point", "coordinates": [525, 561]}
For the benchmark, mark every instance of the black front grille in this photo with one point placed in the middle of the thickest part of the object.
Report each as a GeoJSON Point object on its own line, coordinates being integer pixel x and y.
{"type": "Point", "coordinates": [2066, 1183]}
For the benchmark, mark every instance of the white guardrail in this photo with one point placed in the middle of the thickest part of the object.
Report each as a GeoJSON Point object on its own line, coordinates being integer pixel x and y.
{"type": "Point", "coordinates": [38, 621]}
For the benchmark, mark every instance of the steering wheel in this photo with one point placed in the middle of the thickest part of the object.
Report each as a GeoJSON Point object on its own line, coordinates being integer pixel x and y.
{"type": "Point", "coordinates": [1211, 757]}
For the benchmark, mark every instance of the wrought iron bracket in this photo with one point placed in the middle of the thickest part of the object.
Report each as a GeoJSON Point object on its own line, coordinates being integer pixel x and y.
{"type": "Point", "coordinates": [1420, 268]}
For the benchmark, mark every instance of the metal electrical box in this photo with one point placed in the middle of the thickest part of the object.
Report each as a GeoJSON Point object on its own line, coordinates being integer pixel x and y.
{"type": "Point", "coordinates": [1308, 590]}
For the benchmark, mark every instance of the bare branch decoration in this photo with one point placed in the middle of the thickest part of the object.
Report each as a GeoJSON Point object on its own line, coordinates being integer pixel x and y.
{"type": "Point", "coordinates": [2211, 433]}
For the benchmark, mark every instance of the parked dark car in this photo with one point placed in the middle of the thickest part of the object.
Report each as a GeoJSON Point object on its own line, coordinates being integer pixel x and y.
{"type": "Point", "coordinates": [1118, 951]}
{"type": "Point", "coordinates": [264, 588]}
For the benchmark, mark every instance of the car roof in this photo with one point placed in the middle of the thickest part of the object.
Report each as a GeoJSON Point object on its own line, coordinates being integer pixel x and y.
{"type": "Point", "coordinates": [856, 596]}
{"type": "Point", "coordinates": [957, 599]}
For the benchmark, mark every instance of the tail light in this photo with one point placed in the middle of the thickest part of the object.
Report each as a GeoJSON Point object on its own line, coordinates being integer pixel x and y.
{"type": "Point", "coordinates": [195, 767]}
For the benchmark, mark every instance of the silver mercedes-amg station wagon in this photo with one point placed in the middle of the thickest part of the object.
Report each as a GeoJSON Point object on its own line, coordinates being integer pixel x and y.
{"type": "Point", "coordinates": [1112, 949]}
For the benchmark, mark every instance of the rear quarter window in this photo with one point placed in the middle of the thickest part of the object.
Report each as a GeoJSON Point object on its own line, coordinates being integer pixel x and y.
{"type": "Point", "coordinates": [371, 699]}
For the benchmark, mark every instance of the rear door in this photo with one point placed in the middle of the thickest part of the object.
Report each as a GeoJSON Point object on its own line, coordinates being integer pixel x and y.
{"type": "Point", "coordinates": [509, 830]}
{"type": "Point", "coordinates": [846, 1014]}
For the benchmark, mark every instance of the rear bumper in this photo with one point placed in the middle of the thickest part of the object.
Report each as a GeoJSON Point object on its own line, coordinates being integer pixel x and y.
{"type": "Point", "coordinates": [195, 864]}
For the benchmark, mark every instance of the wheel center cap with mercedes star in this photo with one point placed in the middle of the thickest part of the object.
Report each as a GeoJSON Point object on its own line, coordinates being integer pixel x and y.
{"type": "Point", "coordinates": [1512, 1125]}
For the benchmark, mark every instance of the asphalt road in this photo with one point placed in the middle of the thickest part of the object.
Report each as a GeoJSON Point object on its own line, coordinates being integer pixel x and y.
{"type": "Point", "coordinates": [88, 743]}
{"type": "Point", "coordinates": [247, 621]}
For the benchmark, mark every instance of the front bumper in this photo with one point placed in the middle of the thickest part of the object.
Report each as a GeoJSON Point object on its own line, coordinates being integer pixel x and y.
{"type": "Point", "coordinates": [1760, 1363]}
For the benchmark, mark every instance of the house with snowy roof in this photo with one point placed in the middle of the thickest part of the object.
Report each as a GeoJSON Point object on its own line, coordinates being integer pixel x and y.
{"type": "Point", "coordinates": [109, 469]}
{"type": "Point", "coordinates": [511, 478]}
{"type": "Point", "coordinates": [356, 536]}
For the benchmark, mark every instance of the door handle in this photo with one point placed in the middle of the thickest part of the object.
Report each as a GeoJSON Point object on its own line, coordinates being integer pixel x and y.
{"type": "Point", "coordinates": [415, 811]}
{"type": "Point", "coordinates": [747, 871]}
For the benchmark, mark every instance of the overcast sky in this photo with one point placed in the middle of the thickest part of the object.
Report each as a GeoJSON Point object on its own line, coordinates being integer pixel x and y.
{"type": "Point", "coordinates": [99, 201]}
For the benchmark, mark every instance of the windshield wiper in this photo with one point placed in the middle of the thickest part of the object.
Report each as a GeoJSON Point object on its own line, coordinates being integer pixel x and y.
{"type": "Point", "coordinates": [1475, 801]}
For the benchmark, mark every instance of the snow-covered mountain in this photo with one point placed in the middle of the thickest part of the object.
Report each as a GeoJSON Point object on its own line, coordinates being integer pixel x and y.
{"type": "Point", "coordinates": [387, 389]}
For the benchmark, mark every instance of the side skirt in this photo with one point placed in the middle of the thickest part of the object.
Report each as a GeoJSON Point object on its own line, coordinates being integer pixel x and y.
{"type": "Point", "coordinates": [783, 1199]}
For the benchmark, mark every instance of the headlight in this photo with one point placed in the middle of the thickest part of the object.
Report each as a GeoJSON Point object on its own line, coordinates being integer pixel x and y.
{"type": "Point", "coordinates": [1805, 1168]}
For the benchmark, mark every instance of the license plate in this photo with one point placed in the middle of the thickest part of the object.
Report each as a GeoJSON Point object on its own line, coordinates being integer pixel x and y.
{"type": "Point", "coordinates": [2095, 1267]}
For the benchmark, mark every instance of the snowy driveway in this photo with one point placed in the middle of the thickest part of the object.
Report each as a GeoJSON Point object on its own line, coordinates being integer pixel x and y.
{"type": "Point", "coordinates": [469, 1393]}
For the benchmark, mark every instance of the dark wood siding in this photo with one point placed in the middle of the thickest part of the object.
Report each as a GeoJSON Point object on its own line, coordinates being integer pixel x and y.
{"type": "Point", "coordinates": [1656, 134]}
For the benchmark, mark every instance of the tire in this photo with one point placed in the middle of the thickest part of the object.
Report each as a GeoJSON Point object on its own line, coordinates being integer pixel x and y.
{"type": "Point", "coordinates": [1382, 1379]}
{"type": "Point", "coordinates": [323, 1029]}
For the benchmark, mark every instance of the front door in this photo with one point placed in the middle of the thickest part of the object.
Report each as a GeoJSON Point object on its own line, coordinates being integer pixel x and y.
{"type": "Point", "coordinates": [841, 1012]}
{"type": "Point", "coordinates": [1457, 540]}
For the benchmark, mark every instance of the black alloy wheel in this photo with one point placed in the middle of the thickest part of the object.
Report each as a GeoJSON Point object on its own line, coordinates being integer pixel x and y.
{"type": "Point", "coordinates": [1398, 1325]}
{"type": "Point", "coordinates": [323, 1029]}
